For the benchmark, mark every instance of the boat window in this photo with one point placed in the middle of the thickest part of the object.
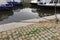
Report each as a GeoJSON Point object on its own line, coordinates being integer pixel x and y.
{"type": "Point", "coordinates": [59, 1]}
{"type": "Point", "coordinates": [55, 1]}
{"type": "Point", "coordinates": [51, 1]}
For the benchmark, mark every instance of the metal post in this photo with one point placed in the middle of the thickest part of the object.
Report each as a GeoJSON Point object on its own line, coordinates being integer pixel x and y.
{"type": "Point", "coordinates": [13, 0]}
{"type": "Point", "coordinates": [56, 15]}
{"type": "Point", "coordinates": [58, 1]}
{"type": "Point", "coordinates": [53, 1]}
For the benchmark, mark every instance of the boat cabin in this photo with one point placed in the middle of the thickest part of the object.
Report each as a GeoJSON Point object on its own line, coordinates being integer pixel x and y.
{"type": "Point", "coordinates": [34, 2]}
{"type": "Point", "coordinates": [49, 2]}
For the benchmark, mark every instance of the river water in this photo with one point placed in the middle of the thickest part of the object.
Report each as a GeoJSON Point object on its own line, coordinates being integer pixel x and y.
{"type": "Point", "coordinates": [25, 12]}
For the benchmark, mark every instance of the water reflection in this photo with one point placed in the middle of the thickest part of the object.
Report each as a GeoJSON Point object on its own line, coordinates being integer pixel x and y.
{"type": "Point", "coordinates": [24, 12]}
{"type": "Point", "coordinates": [18, 7]}
{"type": "Point", "coordinates": [42, 11]}
{"type": "Point", "coordinates": [47, 12]}
{"type": "Point", "coordinates": [20, 15]}
{"type": "Point", "coordinates": [5, 15]}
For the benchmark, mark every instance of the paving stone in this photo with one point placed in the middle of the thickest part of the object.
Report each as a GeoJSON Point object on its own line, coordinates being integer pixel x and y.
{"type": "Point", "coordinates": [32, 32]}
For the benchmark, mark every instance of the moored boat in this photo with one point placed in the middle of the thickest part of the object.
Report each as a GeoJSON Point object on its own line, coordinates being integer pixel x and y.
{"type": "Point", "coordinates": [49, 3]}
{"type": "Point", "coordinates": [15, 2]}
{"type": "Point", "coordinates": [34, 2]}
{"type": "Point", "coordinates": [5, 6]}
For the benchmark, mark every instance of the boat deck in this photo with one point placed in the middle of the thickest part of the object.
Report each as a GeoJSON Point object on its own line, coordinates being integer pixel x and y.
{"type": "Point", "coordinates": [50, 4]}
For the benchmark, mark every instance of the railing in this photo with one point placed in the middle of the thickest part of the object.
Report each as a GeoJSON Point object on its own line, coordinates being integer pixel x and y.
{"type": "Point", "coordinates": [55, 1]}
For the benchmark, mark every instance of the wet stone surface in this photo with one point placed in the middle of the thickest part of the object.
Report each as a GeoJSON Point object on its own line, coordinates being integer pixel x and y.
{"type": "Point", "coordinates": [32, 32]}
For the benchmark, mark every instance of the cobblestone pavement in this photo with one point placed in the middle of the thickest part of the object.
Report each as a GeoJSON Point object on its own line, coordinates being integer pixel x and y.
{"type": "Point", "coordinates": [37, 31]}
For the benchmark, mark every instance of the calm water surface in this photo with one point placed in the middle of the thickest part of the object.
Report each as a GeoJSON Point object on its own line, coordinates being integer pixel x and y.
{"type": "Point", "coordinates": [23, 13]}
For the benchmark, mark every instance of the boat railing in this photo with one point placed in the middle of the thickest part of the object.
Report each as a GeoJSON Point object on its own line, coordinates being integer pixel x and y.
{"type": "Point", "coordinates": [51, 2]}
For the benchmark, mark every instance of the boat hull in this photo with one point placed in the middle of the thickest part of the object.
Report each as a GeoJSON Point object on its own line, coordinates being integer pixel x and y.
{"type": "Point", "coordinates": [16, 3]}
{"type": "Point", "coordinates": [6, 8]}
{"type": "Point", "coordinates": [48, 7]}
{"type": "Point", "coordinates": [33, 3]}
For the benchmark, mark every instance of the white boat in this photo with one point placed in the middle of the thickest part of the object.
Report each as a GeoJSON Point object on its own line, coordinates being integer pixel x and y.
{"type": "Point", "coordinates": [34, 1]}
{"type": "Point", "coordinates": [50, 3]}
